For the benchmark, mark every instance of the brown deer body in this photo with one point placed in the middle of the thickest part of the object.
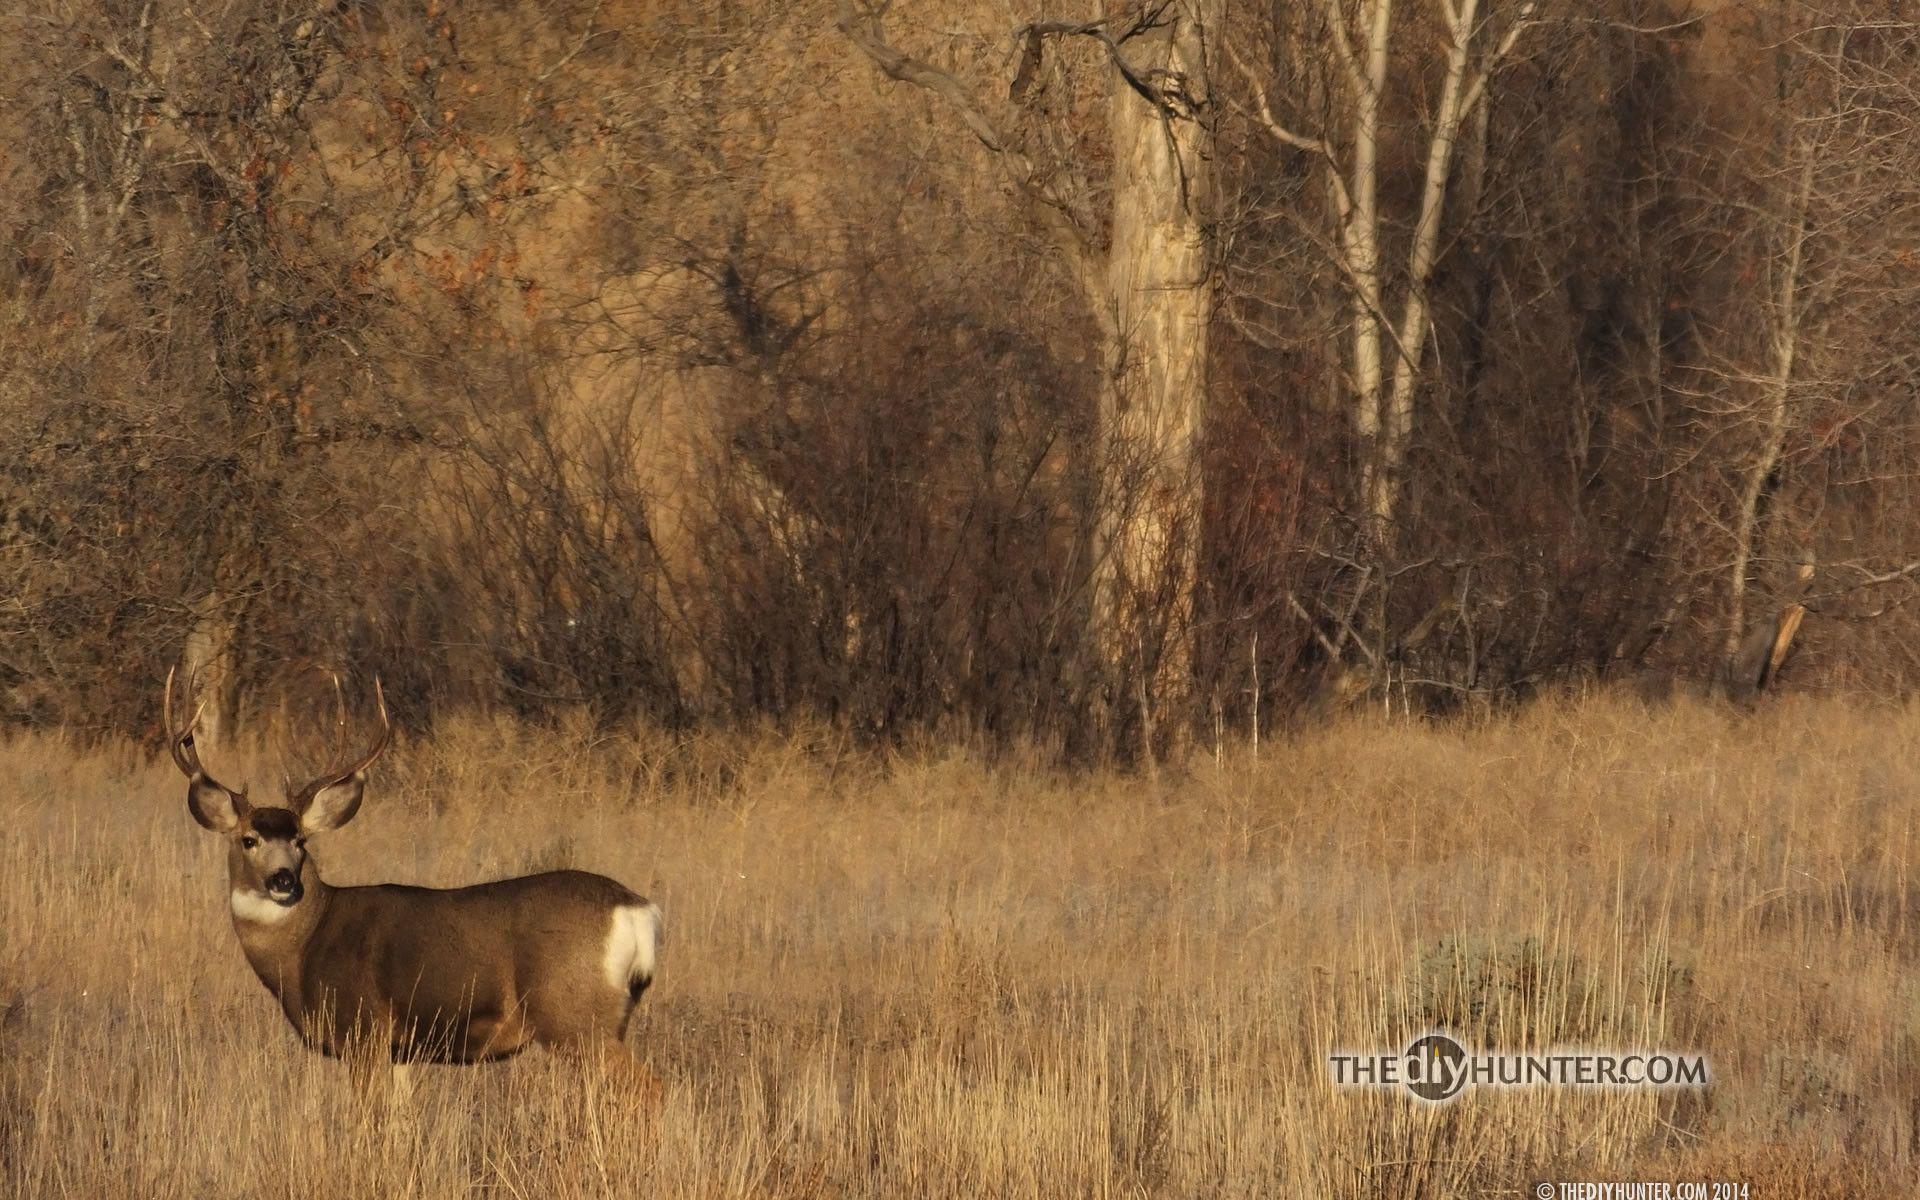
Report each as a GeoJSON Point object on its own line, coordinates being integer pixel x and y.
{"type": "Point", "coordinates": [454, 975]}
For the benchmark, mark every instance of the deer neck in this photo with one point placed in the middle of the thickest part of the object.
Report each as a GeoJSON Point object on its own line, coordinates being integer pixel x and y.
{"type": "Point", "coordinates": [275, 938]}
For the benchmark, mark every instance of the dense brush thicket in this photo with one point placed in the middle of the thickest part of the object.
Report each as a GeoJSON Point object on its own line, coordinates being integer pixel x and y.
{"type": "Point", "coordinates": [700, 361]}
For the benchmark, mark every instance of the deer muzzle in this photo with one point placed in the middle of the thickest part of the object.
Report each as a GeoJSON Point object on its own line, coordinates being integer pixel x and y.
{"type": "Point", "coordinates": [283, 888]}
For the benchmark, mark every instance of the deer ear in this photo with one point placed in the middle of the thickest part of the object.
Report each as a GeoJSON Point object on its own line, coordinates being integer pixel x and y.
{"type": "Point", "coordinates": [214, 806]}
{"type": "Point", "coordinates": [332, 807]}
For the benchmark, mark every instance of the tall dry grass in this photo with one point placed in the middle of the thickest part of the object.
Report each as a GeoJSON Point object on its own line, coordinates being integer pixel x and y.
{"type": "Point", "coordinates": [929, 976]}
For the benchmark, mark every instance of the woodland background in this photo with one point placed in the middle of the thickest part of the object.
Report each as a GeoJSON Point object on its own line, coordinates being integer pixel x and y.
{"type": "Point", "coordinates": [1099, 379]}
{"type": "Point", "coordinates": [800, 458]}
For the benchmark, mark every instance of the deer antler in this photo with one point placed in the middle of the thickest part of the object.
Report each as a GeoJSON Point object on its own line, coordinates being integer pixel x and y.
{"type": "Point", "coordinates": [340, 701]}
{"type": "Point", "coordinates": [180, 739]}
{"type": "Point", "coordinates": [345, 772]}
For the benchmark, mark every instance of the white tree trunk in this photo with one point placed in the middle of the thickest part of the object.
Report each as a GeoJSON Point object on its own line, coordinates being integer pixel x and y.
{"type": "Point", "coordinates": [1360, 235]}
{"type": "Point", "coordinates": [1784, 336]}
{"type": "Point", "coordinates": [1397, 425]}
{"type": "Point", "coordinates": [1383, 409]}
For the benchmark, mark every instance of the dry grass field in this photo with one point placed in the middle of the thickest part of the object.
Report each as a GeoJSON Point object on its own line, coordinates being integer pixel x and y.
{"type": "Point", "coordinates": [930, 975]}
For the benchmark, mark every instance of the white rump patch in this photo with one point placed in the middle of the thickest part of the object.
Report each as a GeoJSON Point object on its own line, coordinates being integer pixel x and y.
{"type": "Point", "coordinates": [632, 944]}
{"type": "Point", "coordinates": [255, 907]}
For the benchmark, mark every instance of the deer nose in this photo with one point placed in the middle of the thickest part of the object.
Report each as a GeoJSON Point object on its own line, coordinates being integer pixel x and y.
{"type": "Point", "coordinates": [283, 883]}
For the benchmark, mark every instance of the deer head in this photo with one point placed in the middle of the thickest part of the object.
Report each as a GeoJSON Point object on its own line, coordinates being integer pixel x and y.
{"type": "Point", "coordinates": [267, 853]}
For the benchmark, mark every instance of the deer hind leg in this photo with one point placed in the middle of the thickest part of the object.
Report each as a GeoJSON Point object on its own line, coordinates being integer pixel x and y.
{"type": "Point", "coordinates": [625, 1079]}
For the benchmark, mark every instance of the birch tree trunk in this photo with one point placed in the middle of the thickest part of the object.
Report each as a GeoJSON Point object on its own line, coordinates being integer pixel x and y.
{"type": "Point", "coordinates": [1390, 310]}
{"type": "Point", "coordinates": [1397, 423]}
{"type": "Point", "coordinates": [1777, 388]}
{"type": "Point", "coordinates": [1383, 401]}
{"type": "Point", "coordinates": [1360, 234]}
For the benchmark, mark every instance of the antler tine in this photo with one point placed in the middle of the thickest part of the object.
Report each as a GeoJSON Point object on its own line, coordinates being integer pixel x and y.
{"type": "Point", "coordinates": [340, 701]}
{"type": "Point", "coordinates": [386, 729]}
{"type": "Point", "coordinates": [180, 745]}
{"type": "Point", "coordinates": [347, 771]}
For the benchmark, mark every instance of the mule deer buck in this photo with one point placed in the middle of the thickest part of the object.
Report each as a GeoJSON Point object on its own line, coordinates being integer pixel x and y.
{"type": "Point", "coordinates": [407, 974]}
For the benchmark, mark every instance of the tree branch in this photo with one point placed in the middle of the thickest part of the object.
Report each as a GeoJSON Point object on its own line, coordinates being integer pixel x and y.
{"type": "Point", "coordinates": [1036, 188]}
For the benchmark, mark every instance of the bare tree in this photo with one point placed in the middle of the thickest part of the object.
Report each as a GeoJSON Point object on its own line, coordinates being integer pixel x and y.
{"type": "Point", "coordinates": [1816, 183]}
{"type": "Point", "coordinates": [1353, 75]}
{"type": "Point", "coordinates": [1145, 272]}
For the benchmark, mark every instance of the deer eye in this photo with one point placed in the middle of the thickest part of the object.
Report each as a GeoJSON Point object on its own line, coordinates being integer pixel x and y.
{"type": "Point", "coordinates": [299, 843]}
{"type": "Point", "coordinates": [249, 842]}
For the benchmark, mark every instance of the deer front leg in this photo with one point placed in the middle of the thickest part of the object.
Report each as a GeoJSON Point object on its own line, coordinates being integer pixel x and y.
{"type": "Point", "coordinates": [382, 1084]}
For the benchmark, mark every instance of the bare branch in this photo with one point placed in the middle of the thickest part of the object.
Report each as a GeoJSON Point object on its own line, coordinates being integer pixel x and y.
{"type": "Point", "coordinates": [1036, 186]}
